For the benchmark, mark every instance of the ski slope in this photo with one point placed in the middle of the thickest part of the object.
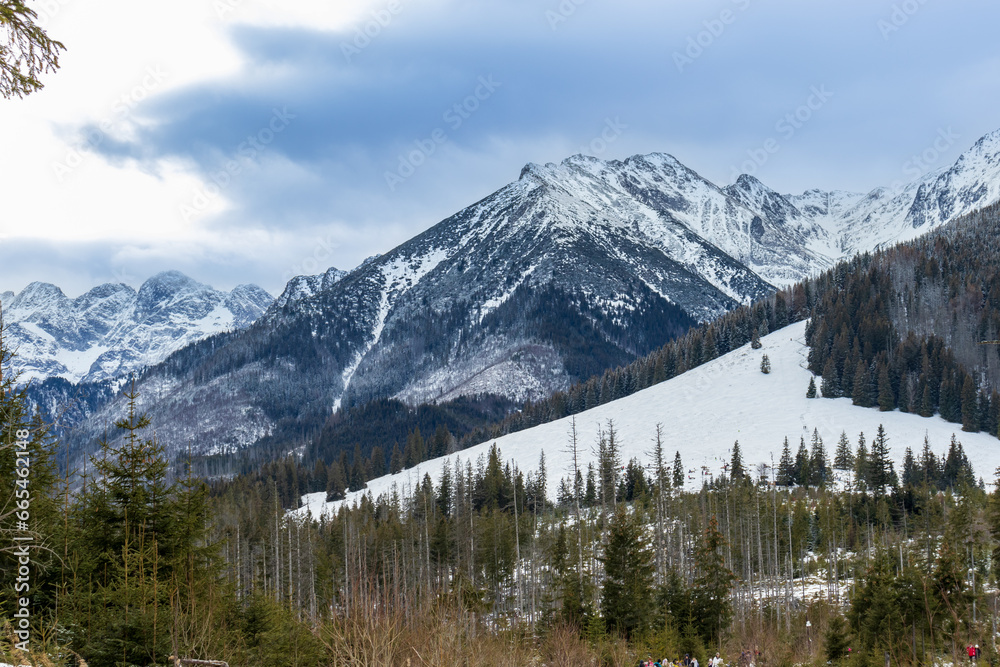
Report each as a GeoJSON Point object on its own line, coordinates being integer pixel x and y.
{"type": "Point", "coordinates": [703, 412]}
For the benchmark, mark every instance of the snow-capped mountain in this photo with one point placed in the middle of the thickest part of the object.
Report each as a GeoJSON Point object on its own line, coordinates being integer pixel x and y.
{"type": "Point", "coordinates": [113, 329]}
{"type": "Point", "coordinates": [884, 216]}
{"type": "Point", "coordinates": [703, 412]}
{"type": "Point", "coordinates": [570, 269]}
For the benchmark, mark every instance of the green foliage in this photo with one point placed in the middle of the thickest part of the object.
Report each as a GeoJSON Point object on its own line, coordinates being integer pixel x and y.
{"type": "Point", "coordinates": [710, 598]}
{"type": "Point", "coordinates": [836, 639]}
{"type": "Point", "coordinates": [627, 595]}
{"type": "Point", "coordinates": [28, 51]}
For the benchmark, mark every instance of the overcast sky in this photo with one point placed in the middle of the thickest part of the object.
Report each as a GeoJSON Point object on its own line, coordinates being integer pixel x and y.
{"type": "Point", "coordinates": [252, 140]}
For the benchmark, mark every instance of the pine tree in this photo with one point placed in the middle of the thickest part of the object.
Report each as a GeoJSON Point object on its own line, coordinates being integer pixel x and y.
{"type": "Point", "coordinates": [811, 391]}
{"type": "Point", "coordinates": [737, 473]}
{"type": "Point", "coordinates": [710, 597]}
{"type": "Point", "coordinates": [886, 397]}
{"type": "Point", "coordinates": [911, 472]}
{"type": "Point", "coordinates": [803, 466]}
{"type": "Point", "coordinates": [930, 468]}
{"type": "Point", "coordinates": [880, 472]}
{"type": "Point", "coordinates": [861, 479]}
{"type": "Point", "coordinates": [755, 343]}
{"type": "Point", "coordinates": [819, 469]}
{"type": "Point", "coordinates": [830, 386]}
{"type": "Point", "coordinates": [844, 458]}
{"type": "Point", "coordinates": [970, 405]}
{"type": "Point", "coordinates": [678, 471]}
{"type": "Point", "coordinates": [836, 639]}
{"type": "Point", "coordinates": [765, 365]}
{"type": "Point", "coordinates": [627, 595]}
{"type": "Point", "coordinates": [786, 467]}
{"type": "Point", "coordinates": [861, 393]}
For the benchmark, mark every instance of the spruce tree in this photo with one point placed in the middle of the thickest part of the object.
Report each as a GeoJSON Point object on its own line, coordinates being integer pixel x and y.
{"type": "Point", "coordinates": [911, 473]}
{"type": "Point", "coordinates": [710, 596]}
{"type": "Point", "coordinates": [830, 386]}
{"type": "Point", "coordinates": [844, 458]}
{"type": "Point", "coordinates": [737, 473]}
{"type": "Point", "coordinates": [886, 396]}
{"type": "Point", "coordinates": [803, 466]}
{"type": "Point", "coordinates": [811, 390]}
{"type": "Point", "coordinates": [678, 471]}
{"type": "Point", "coordinates": [861, 480]}
{"type": "Point", "coordinates": [836, 639]}
{"type": "Point", "coordinates": [786, 467]}
{"type": "Point", "coordinates": [819, 468]}
{"type": "Point", "coordinates": [880, 470]}
{"type": "Point", "coordinates": [765, 365]}
{"type": "Point", "coordinates": [930, 468]}
{"type": "Point", "coordinates": [627, 595]}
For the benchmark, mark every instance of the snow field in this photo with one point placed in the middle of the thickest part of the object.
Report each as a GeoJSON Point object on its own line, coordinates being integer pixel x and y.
{"type": "Point", "coordinates": [703, 412]}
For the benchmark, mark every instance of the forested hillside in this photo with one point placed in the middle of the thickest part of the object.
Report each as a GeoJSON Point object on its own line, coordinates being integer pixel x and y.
{"type": "Point", "coordinates": [910, 327]}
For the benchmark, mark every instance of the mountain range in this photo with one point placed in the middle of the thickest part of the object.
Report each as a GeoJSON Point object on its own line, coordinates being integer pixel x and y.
{"type": "Point", "coordinates": [572, 268]}
{"type": "Point", "coordinates": [113, 329]}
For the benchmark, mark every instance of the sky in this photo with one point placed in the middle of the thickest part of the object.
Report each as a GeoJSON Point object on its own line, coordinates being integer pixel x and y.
{"type": "Point", "coordinates": [249, 141]}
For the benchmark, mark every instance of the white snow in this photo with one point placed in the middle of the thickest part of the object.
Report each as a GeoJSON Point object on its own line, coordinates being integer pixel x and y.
{"type": "Point", "coordinates": [703, 412]}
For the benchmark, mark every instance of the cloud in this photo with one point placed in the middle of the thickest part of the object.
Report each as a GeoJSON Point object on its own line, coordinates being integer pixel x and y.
{"type": "Point", "coordinates": [391, 128]}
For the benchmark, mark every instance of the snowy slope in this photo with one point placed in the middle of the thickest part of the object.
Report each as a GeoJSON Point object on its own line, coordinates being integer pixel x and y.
{"type": "Point", "coordinates": [703, 412]}
{"type": "Point", "coordinates": [113, 329]}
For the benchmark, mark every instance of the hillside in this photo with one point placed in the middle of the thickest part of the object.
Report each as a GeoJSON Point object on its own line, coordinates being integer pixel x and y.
{"type": "Point", "coordinates": [704, 411]}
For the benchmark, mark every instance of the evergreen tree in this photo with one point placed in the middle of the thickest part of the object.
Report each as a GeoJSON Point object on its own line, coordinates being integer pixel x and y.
{"type": "Point", "coordinates": [880, 471]}
{"type": "Point", "coordinates": [837, 640]}
{"type": "Point", "coordinates": [844, 458]}
{"type": "Point", "coordinates": [819, 469]}
{"type": "Point", "coordinates": [886, 396]}
{"type": "Point", "coordinates": [911, 472]}
{"type": "Point", "coordinates": [755, 343]}
{"type": "Point", "coordinates": [803, 466]}
{"type": "Point", "coordinates": [710, 596]}
{"type": "Point", "coordinates": [957, 472]}
{"type": "Point", "coordinates": [830, 386]}
{"type": "Point", "coordinates": [861, 478]}
{"type": "Point", "coordinates": [861, 392]}
{"type": "Point", "coordinates": [737, 473]}
{"type": "Point", "coordinates": [811, 390]}
{"type": "Point", "coordinates": [787, 471]}
{"type": "Point", "coordinates": [930, 468]}
{"type": "Point", "coordinates": [765, 365]}
{"type": "Point", "coordinates": [627, 595]}
{"type": "Point", "coordinates": [678, 471]}
{"type": "Point", "coordinates": [970, 405]}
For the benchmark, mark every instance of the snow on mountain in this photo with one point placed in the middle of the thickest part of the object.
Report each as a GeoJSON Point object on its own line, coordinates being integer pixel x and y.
{"type": "Point", "coordinates": [885, 216]}
{"type": "Point", "coordinates": [302, 287]}
{"type": "Point", "coordinates": [113, 329]}
{"type": "Point", "coordinates": [703, 412]}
